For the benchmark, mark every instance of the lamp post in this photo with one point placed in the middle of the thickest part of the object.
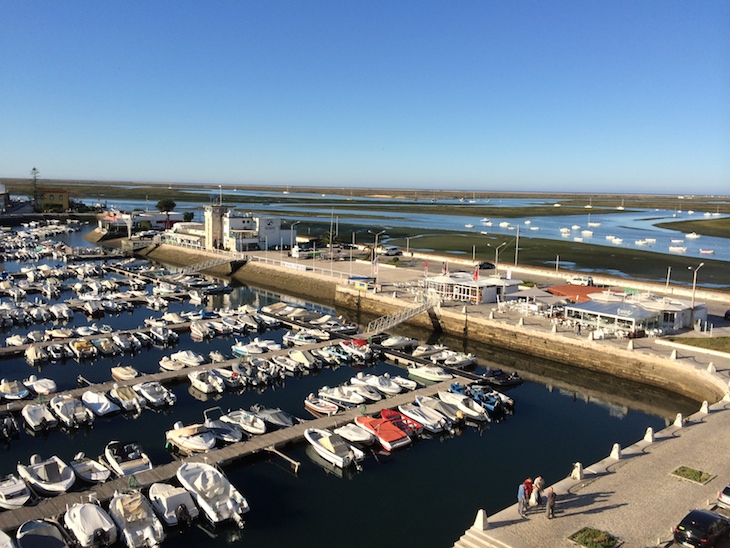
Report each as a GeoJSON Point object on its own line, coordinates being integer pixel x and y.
{"type": "Point", "coordinates": [291, 234]}
{"type": "Point", "coordinates": [496, 254]}
{"type": "Point", "coordinates": [375, 252]}
{"type": "Point", "coordinates": [220, 194]}
{"type": "Point", "coordinates": [408, 244]}
{"type": "Point", "coordinates": [694, 287]}
{"type": "Point", "coordinates": [669, 272]}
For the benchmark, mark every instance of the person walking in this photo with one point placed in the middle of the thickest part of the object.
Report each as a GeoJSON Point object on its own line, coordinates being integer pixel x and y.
{"type": "Point", "coordinates": [537, 488]}
{"type": "Point", "coordinates": [550, 502]}
{"type": "Point", "coordinates": [521, 500]}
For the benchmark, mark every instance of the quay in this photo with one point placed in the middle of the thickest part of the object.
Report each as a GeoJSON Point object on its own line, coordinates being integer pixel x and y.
{"type": "Point", "coordinates": [272, 442]}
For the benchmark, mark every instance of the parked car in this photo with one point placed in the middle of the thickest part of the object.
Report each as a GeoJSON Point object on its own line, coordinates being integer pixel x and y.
{"type": "Point", "coordinates": [701, 528]}
{"type": "Point", "coordinates": [723, 497]}
{"type": "Point", "coordinates": [581, 280]}
{"type": "Point", "coordinates": [486, 265]}
{"type": "Point", "coordinates": [727, 314]}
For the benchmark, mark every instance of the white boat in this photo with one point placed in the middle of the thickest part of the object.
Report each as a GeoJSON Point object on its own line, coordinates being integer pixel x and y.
{"type": "Point", "coordinates": [423, 350]}
{"type": "Point", "coordinates": [188, 357]}
{"type": "Point", "coordinates": [300, 338]}
{"type": "Point", "coordinates": [368, 392]}
{"type": "Point", "coordinates": [194, 438]}
{"type": "Point", "coordinates": [432, 420]}
{"type": "Point", "coordinates": [99, 403]}
{"type": "Point", "coordinates": [229, 377]}
{"type": "Point", "coordinates": [88, 469]}
{"type": "Point", "coordinates": [399, 342]}
{"type": "Point", "coordinates": [14, 492]}
{"type": "Point", "coordinates": [355, 434]}
{"type": "Point", "coordinates": [274, 416]}
{"type": "Point", "coordinates": [133, 515]}
{"type": "Point", "coordinates": [448, 410]}
{"type": "Point", "coordinates": [468, 406]}
{"type": "Point", "coordinates": [333, 448]}
{"type": "Point", "coordinates": [222, 430]}
{"type": "Point", "coordinates": [126, 459]}
{"type": "Point", "coordinates": [201, 330]}
{"type": "Point", "coordinates": [357, 348]}
{"type": "Point", "coordinates": [246, 421]}
{"type": "Point", "coordinates": [123, 372]}
{"type": "Point", "coordinates": [206, 382]}
{"type": "Point", "coordinates": [341, 396]}
{"type": "Point", "coordinates": [155, 393]}
{"type": "Point", "coordinates": [677, 248]}
{"type": "Point", "coordinates": [267, 344]}
{"type": "Point", "coordinates": [16, 340]}
{"type": "Point", "coordinates": [213, 493]}
{"type": "Point", "coordinates": [382, 383]}
{"type": "Point", "coordinates": [241, 350]}
{"type": "Point", "coordinates": [127, 398]}
{"type": "Point", "coordinates": [38, 417]}
{"type": "Point", "coordinates": [41, 385]}
{"type": "Point", "coordinates": [35, 355]}
{"type": "Point", "coordinates": [47, 477]}
{"type": "Point", "coordinates": [320, 406]}
{"type": "Point", "coordinates": [460, 359]}
{"type": "Point", "coordinates": [90, 525]}
{"type": "Point", "coordinates": [162, 335]}
{"type": "Point", "coordinates": [692, 235]}
{"type": "Point", "coordinates": [40, 532]}
{"type": "Point", "coordinates": [288, 363]}
{"type": "Point", "coordinates": [303, 357]}
{"type": "Point", "coordinates": [430, 373]}
{"type": "Point", "coordinates": [70, 411]}
{"type": "Point", "coordinates": [168, 364]}
{"type": "Point", "coordinates": [13, 390]}
{"type": "Point", "coordinates": [406, 384]}
{"type": "Point", "coordinates": [82, 349]}
{"type": "Point", "coordinates": [174, 505]}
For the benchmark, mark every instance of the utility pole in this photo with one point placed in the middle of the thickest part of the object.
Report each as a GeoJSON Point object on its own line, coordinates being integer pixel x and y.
{"type": "Point", "coordinates": [34, 175]}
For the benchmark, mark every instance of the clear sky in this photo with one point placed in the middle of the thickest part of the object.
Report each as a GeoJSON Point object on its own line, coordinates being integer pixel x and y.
{"type": "Point", "coordinates": [591, 96]}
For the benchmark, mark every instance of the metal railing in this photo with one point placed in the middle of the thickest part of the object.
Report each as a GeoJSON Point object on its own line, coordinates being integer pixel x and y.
{"type": "Point", "coordinates": [386, 322]}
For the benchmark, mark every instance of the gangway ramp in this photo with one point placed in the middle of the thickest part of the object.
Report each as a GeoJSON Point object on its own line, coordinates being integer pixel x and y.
{"type": "Point", "coordinates": [386, 322]}
{"type": "Point", "coordinates": [205, 265]}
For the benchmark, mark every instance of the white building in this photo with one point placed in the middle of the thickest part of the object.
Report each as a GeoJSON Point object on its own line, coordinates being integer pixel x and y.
{"type": "Point", "coordinates": [226, 229]}
{"type": "Point", "coordinates": [137, 220]}
{"type": "Point", "coordinates": [465, 287]}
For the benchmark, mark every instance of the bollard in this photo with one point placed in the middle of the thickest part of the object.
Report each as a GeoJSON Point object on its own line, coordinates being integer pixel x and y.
{"type": "Point", "coordinates": [630, 346]}
{"type": "Point", "coordinates": [705, 407]}
{"type": "Point", "coordinates": [577, 473]}
{"type": "Point", "coordinates": [711, 368]}
{"type": "Point", "coordinates": [521, 322]}
{"type": "Point", "coordinates": [679, 421]}
{"type": "Point", "coordinates": [649, 436]}
{"type": "Point", "coordinates": [674, 355]}
{"type": "Point", "coordinates": [555, 328]}
{"type": "Point", "coordinates": [590, 335]}
{"type": "Point", "coordinates": [616, 451]}
{"type": "Point", "coordinates": [491, 314]}
{"type": "Point", "coordinates": [481, 523]}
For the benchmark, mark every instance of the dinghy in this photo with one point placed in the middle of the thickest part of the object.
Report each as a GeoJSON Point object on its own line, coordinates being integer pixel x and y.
{"type": "Point", "coordinates": [246, 421]}
{"type": "Point", "coordinates": [216, 497]}
{"type": "Point", "coordinates": [14, 492]}
{"type": "Point", "coordinates": [47, 477]}
{"type": "Point", "coordinates": [90, 525]}
{"type": "Point", "coordinates": [38, 417]}
{"type": "Point", "coordinates": [194, 438]}
{"type": "Point", "coordinates": [155, 394]}
{"type": "Point", "coordinates": [99, 403]}
{"type": "Point", "coordinates": [133, 515]}
{"type": "Point", "coordinates": [174, 505]}
{"type": "Point", "coordinates": [126, 459]}
{"type": "Point", "coordinates": [333, 447]}
{"type": "Point", "coordinates": [89, 470]}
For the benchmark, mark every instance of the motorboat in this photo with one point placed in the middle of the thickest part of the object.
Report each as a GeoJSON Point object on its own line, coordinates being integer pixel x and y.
{"type": "Point", "coordinates": [188, 357]}
{"type": "Point", "coordinates": [242, 350]}
{"type": "Point", "coordinates": [430, 373]}
{"type": "Point", "coordinates": [155, 394]}
{"type": "Point", "coordinates": [47, 477]}
{"type": "Point", "coordinates": [125, 342]}
{"type": "Point", "coordinates": [162, 334]}
{"type": "Point", "coordinates": [245, 420]}
{"type": "Point", "coordinates": [216, 356]}
{"type": "Point", "coordinates": [201, 330]}
{"type": "Point", "coordinates": [333, 448]}
{"type": "Point", "coordinates": [274, 416]}
{"type": "Point", "coordinates": [410, 426]}
{"type": "Point", "coordinates": [341, 395]}
{"type": "Point", "coordinates": [42, 385]}
{"type": "Point", "coordinates": [194, 438]}
{"type": "Point", "coordinates": [320, 406]}
{"type": "Point", "coordinates": [432, 420]}
{"type": "Point", "coordinates": [124, 372]}
{"type": "Point", "coordinates": [90, 525]}
{"type": "Point", "coordinates": [299, 338]}
{"type": "Point", "coordinates": [35, 355]}
{"type": "Point", "coordinates": [388, 434]}
{"type": "Point", "coordinates": [355, 434]}
{"type": "Point", "coordinates": [336, 353]}
{"type": "Point", "coordinates": [8, 425]}
{"type": "Point", "coordinates": [399, 342]}
{"type": "Point", "coordinates": [448, 410]}
{"type": "Point", "coordinates": [82, 349]}
{"type": "Point", "coordinates": [173, 504]}
{"type": "Point", "coordinates": [230, 378]}
{"type": "Point", "coordinates": [368, 392]}
{"type": "Point", "coordinates": [425, 350]}
{"type": "Point", "coordinates": [126, 459]}
{"type": "Point", "coordinates": [58, 351]}
{"type": "Point", "coordinates": [468, 406]}
{"type": "Point", "coordinates": [499, 377]}
{"type": "Point", "coordinates": [168, 364]}
{"type": "Point", "coordinates": [223, 431]}
{"type": "Point", "coordinates": [105, 346]}
{"type": "Point", "coordinates": [99, 403]}
{"type": "Point", "coordinates": [406, 384]}
{"type": "Point", "coordinates": [16, 340]}
{"type": "Point", "coordinates": [304, 357]}
{"type": "Point", "coordinates": [14, 492]}
{"type": "Point", "coordinates": [143, 338]}
{"type": "Point", "coordinates": [486, 394]}
{"type": "Point", "coordinates": [206, 382]}
{"type": "Point", "coordinates": [216, 497]}
{"type": "Point", "coordinates": [13, 390]}
{"type": "Point", "coordinates": [88, 469]}
{"type": "Point", "coordinates": [382, 383]}
{"type": "Point", "coordinates": [40, 532]}
{"type": "Point", "coordinates": [133, 515]}
{"type": "Point", "coordinates": [288, 363]}
{"type": "Point", "coordinates": [357, 348]}
{"type": "Point", "coordinates": [38, 417]}
{"type": "Point", "coordinates": [127, 398]}
{"type": "Point", "coordinates": [317, 333]}
{"type": "Point", "coordinates": [70, 411]}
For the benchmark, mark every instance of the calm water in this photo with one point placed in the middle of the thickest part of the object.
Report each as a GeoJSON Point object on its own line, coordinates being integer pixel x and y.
{"type": "Point", "coordinates": [426, 495]}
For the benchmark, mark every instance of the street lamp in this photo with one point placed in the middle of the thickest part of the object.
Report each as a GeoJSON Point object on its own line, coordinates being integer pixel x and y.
{"type": "Point", "coordinates": [375, 252]}
{"type": "Point", "coordinates": [694, 287]}
{"type": "Point", "coordinates": [291, 234]}
{"type": "Point", "coordinates": [496, 253]}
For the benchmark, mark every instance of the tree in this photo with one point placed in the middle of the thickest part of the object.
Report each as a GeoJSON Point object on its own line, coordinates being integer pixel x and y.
{"type": "Point", "coordinates": [188, 216]}
{"type": "Point", "coordinates": [165, 206]}
{"type": "Point", "coordinates": [34, 175]}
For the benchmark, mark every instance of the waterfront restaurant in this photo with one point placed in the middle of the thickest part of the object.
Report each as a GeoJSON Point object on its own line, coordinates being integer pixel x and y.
{"type": "Point", "coordinates": [462, 287]}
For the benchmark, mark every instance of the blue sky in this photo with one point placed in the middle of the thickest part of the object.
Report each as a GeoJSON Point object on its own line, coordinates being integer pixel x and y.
{"type": "Point", "coordinates": [600, 96]}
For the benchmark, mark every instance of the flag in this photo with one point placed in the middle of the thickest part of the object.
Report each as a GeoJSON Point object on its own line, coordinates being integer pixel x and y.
{"type": "Point", "coordinates": [425, 270]}
{"type": "Point", "coordinates": [476, 273]}
{"type": "Point", "coordinates": [445, 269]}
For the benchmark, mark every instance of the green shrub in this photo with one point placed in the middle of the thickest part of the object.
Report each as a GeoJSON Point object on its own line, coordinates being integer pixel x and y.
{"type": "Point", "coordinates": [593, 538]}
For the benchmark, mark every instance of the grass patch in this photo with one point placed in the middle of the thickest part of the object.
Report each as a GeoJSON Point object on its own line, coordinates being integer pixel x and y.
{"type": "Point", "coordinates": [692, 474]}
{"type": "Point", "coordinates": [719, 344]}
{"type": "Point", "coordinates": [593, 538]}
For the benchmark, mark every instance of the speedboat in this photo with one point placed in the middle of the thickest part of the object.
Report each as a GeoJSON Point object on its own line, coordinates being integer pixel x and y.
{"type": "Point", "coordinates": [216, 497]}
{"type": "Point", "coordinates": [173, 504]}
{"type": "Point", "coordinates": [300, 338]}
{"type": "Point", "coordinates": [82, 349]}
{"type": "Point", "coordinates": [410, 426]}
{"type": "Point", "coordinates": [137, 522]}
{"type": "Point", "coordinates": [246, 421]}
{"type": "Point", "coordinates": [43, 385]}
{"type": "Point", "coordinates": [123, 372]}
{"type": "Point", "coordinates": [155, 393]}
{"type": "Point", "coordinates": [241, 349]}
{"type": "Point", "coordinates": [406, 384]}
{"type": "Point", "coordinates": [320, 406]}
{"type": "Point", "coordinates": [468, 406]}
{"type": "Point", "coordinates": [448, 410]}
{"type": "Point", "coordinates": [382, 383]}
{"type": "Point", "coordinates": [162, 335]}
{"type": "Point", "coordinates": [38, 417]}
{"type": "Point", "coordinates": [357, 348]}
{"type": "Point", "coordinates": [355, 434]}
{"type": "Point", "coordinates": [304, 357]}
{"type": "Point", "coordinates": [216, 356]}
{"type": "Point", "coordinates": [126, 459]}
{"type": "Point", "coordinates": [221, 430]}
{"type": "Point", "coordinates": [99, 403]}
{"type": "Point", "coordinates": [424, 350]}
{"type": "Point", "coordinates": [399, 342]}
{"type": "Point", "coordinates": [127, 398]}
{"type": "Point", "coordinates": [333, 447]}
{"type": "Point", "coordinates": [341, 396]}
{"type": "Point", "coordinates": [35, 355]}
{"type": "Point", "coordinates": [125, 342]}
{"type": "Point", "coordinates": [58, 351]}
{"type": "Point", "coordinates": [90, 525]}
{"type": "Point", "coordinates": [230, 378]}
{"type": "Point", "coordinates": [41, 532]}
{"type": "Point", "coordinates": [194, 438]}
{"type": "Point", "coordinates": [105, 346]}
{"type": "Point", "coordinates": [168, 364]}
{"type": "Point", "coordinates": [201, 330]}
{"type": "Point", "coordinates": [13, 390]}
{"type": "Point", "coordinates": [8, 425]}
{"type": "Point", "coordinates": [88, 469]}
{"type": "Point", "coordinates": [274, 416]}
{"type": "Point", "coordinates": [70, 411]}
{"type": "Point", "coordinates": [430, 373]}
{"type": "Point", "coordinates": [368, 392]}
{"type": "Point", "coordinates": [14, 492]}
{"type": "Point", "coordinates": [206, 382]}
{"type": "Point", "coordinates": [432, 420]}
{"type": "Point", "coordinates": [188, 357]}
{"type": "Point", "coordinates": [491, 402]}
{"type": "Point", "coordinates": [460, 359]}
{"type": "Point", "coordinates": [388, 434]}
{"type": "Point", "coordinates": [48, 477]}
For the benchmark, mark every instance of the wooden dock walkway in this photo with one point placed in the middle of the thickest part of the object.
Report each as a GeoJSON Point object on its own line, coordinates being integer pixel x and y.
{"type": "Point", "coordinates": [277, 439]}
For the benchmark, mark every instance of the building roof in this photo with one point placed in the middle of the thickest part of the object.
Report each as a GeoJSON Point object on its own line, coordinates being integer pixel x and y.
{"type": "Point", "coordinates": [577, 293]}
{"type": "Point", "coordinates": [619, 310]}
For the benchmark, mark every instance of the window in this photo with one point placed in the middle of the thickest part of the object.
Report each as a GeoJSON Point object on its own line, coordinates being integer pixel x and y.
{"type": "Point", "coordinates": [50, 197]}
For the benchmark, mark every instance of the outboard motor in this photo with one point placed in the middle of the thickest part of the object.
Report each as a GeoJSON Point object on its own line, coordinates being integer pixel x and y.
{"type": "Point", "coordinates": [183, 516]}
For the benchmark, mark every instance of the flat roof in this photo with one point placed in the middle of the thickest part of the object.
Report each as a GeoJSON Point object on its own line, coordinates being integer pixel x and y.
{"type": "Point", "coordinates": [618, 310]}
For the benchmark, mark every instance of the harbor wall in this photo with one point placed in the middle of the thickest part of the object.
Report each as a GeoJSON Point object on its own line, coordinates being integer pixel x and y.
{"type": "Point", "coordinates": [633, 365]}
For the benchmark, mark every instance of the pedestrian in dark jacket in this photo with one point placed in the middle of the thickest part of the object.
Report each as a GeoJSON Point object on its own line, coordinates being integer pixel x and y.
{"type": "Point", "coordinates": [550, 498]}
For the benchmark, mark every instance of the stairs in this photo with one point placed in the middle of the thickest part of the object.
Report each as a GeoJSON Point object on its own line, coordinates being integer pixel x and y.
{"type": "Point", "coordinates": [386, 322]}
{"type": "Point", "coordinates": [197, 267]}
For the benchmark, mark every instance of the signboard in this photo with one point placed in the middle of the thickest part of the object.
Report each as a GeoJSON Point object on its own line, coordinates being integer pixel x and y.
{"type": "Point", "coordinates": [360, 285]}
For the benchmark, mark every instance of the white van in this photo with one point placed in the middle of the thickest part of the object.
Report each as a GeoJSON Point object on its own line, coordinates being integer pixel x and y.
{"type": "Point", "coordinates": [392, 250]}
{"type": "Point", "coordinates": [581, 280]}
